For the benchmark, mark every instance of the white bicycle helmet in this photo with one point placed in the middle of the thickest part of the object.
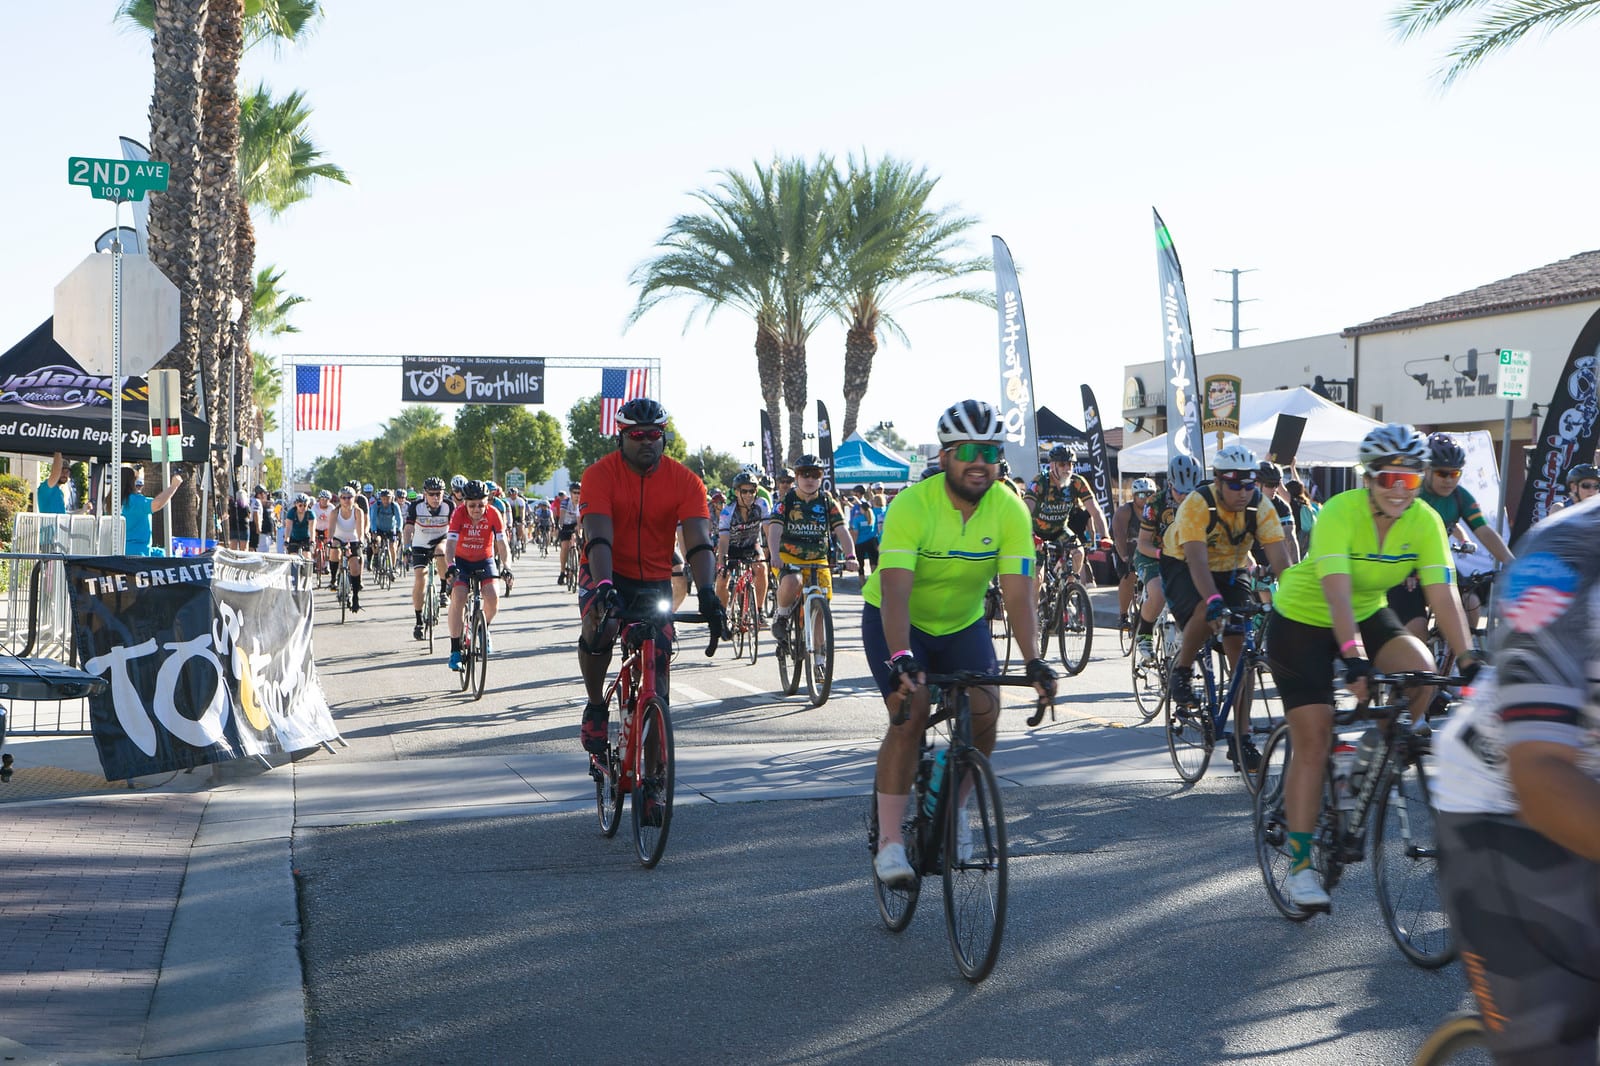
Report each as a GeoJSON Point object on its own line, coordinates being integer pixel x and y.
{"type": "Point", "coordinates": [970, 420]}
{"type": "Point", "coordinates": [1235, 457]}
{"type": "Point", "coordinates": [1184, 474]}
{"type": "Point", "coordinates": [1394, 444]}
{"type": "Point", "coordinates": [458, 483]}
{"type": "Point", "coordinates": [1143, 485]}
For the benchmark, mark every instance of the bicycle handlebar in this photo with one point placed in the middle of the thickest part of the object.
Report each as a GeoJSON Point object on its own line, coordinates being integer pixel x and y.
{"type": "Point", "coordinates": [696, 616]}
{"type": "Point", "coordinates": [971, 679]}
{"type": "Point", "coordinates": [1405, 679]}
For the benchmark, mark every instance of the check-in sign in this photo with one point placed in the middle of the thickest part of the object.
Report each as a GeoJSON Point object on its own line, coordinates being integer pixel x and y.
{"type": "Point", "coordinates": [118, 179]}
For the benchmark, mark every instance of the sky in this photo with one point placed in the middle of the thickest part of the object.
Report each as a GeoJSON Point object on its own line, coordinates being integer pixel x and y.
{"type": "Point", "coordinates": [513, 163]}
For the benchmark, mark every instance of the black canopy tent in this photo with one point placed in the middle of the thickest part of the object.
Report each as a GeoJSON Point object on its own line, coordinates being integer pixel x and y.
{"type": "Point", "coordinates": [49, 404]}
{"type": "Point", "coordinates": [1054, 429]}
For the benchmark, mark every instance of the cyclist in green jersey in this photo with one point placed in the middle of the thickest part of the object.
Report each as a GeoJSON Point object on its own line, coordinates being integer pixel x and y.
{"type": "Point", "coordinates": [1331, 606]}
{"type": "Point", "coordinates": [944, 539]}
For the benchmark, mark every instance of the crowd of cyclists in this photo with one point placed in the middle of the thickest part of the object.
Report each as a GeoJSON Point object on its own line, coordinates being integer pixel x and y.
{"type": "Point", "coordinates": [1352, 581]}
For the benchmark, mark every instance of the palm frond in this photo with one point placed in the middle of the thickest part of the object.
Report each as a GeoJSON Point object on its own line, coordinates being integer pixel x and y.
{"type": "Point", "coordinates": [1502, 24]}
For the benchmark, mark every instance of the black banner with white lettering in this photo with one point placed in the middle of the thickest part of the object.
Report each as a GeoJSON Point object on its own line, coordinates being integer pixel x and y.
{"type": "Point", "coordinates": [1571, 428]}
{"type": "Point", "coordinates": [825, 446]}
{"type": "Point", "coordinates": [474, 379]}
{"type": "Point", "coordinates": [769, 446]}
{"type": "Point", "coordinates": [1100, 477]}
{"type": "Point", "coordinates": [207, 660]}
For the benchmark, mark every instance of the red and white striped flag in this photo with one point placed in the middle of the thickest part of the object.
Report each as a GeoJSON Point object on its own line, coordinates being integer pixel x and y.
{"type": "Point", "coordinates": [316, 396]}
{"type": "Point", "coordinates": [617, 387]}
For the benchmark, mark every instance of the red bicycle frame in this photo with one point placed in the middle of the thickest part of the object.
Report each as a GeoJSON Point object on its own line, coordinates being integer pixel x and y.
{"type": "Point", "coordinates": [636, 677]}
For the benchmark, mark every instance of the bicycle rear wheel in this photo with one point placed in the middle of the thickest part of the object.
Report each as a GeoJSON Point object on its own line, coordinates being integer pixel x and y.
{"type": "Point", "coordinates": [999, 628]}
{"type": "Point", "coordinates": [819, 657]}
{"type": "Point", "coordinates": [1190, 738]}
{"type": "Point", "coordinates": [1271, 825]}
{"type": "Point", "coordinates": [749, 622]}
{"type": "Point", "coordinates": [790, 654]}
{"type": "Point", "coordinates": [1405, 856]}
{"type": "Point", "coordinates": [608, 770]}
{"type": "Point", "coordinates": [1460, 1038]}
{"type": "Point", "coordinates": [465, 673]}
{"type": "Point", "coordinates": [1243, 729]}
{"type": "Point", "coordinates": [480, 655]}
{"type": "Point", "coordinates": [1046, 615]}
{"type": "Point", "coordinates": [1075, 627]}
{"type": "Point", "coordinates": [1125, 626]}
{"type": "Point", "coordinates": [1150, 677]}
{"type": "Point", "coordinates": [895, 905]}
{"type": "Point", "coordinates": [652, 783]}
{"type": "Point", "coordinates": [974, 865]}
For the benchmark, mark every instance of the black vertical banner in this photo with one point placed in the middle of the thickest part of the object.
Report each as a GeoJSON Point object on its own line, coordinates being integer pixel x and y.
{"type": "Point", "coordinates": [769, 445]}
{"type": "Point", "coordinates": [1100, 477]}
{"type": "Point", "coordinates": [1569, 433]}
{"type": "Point", "coordinates": [825, 446]}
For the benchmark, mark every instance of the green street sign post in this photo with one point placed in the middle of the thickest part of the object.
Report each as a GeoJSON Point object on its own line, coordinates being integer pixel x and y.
{"type": "Point", "coordinates": [516, 479]}
{"type": "Point", "coordinates": [1513, 385]}
{"type": "Point", "coordinates": [118, 179]}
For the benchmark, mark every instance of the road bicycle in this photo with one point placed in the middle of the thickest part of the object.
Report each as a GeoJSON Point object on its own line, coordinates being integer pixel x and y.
{"type": "Point", "coordinates": [383, 564]}
{"type": "Point", "coordinates": [1065, 611]}
{"type": "Point", "coordinates": [1150, 674]}
{"type": "Point", "coordinates": [1460, 1038]}
{"type": "Point", "coordinates": [807, 642]}
{"type": "Point", "coordinates": [638, 759]}
{"type": "Point", "coordinates": [961, 840]}
{"type": "Point", "coordinates": [569, 569]}
{"type": "Point", "coordinates": [1392, 798]}
{"type": "Point", "coordinates": [744, 613]}
{"type": "Point", "coordinates": [1128, 627]}
{"type": "Point", "coordinates": [1194, 729]}
{"type": "Point", "coordinates": [994, 614]}
{"type": "Point", "coordinates": [517, 542]}
{"type": "Point", "coordinates": [542, 536]}
{"type": "Point", "coordinates": [341, 579]}
{"type": "Point", "coordinates": [431, 600]}
{"type": "Point", "coordinates": [475, 636]}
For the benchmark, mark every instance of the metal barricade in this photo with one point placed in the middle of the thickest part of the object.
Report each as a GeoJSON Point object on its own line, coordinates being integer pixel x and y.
{"type": "Point", "coordinates": [37, 611]}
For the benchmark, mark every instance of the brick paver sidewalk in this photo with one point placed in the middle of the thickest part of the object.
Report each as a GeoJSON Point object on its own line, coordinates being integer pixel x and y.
{"type": "Point", "coordinates": [87, 893]}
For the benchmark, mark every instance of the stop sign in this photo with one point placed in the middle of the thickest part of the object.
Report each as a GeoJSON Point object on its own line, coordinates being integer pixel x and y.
{"type": "Point", "coordinates": [150, 314]}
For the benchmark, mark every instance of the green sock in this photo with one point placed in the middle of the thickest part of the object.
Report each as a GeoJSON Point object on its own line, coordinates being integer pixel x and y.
{"type": "Point", "coordinates": [1299, 851]}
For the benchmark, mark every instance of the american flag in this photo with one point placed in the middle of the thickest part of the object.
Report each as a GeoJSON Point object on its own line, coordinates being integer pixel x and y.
{"type": "Point", "coordinates": [1537, 608]}
{"type": "Point", "coordinates": [617, 387]}
{"type": "Point", "coordinates": [316, 396]}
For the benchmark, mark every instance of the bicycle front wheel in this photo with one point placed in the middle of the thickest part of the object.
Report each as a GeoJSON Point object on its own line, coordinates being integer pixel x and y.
{"type": "Point", "coordinates": [652, 783]}
{"type": "Point", "coordinates": [1130, 618]}
{"type": "Point", "coordinates": [819, 658]}
{"type": "Point", "coordinates": [999, 629]}
{"type": "Point", "coordinates": [1150, 678]}
{"type": "Point", "coordinates": [608, 774]}
{"type": "Point", "coordinates": [1243, 735]}
{"type": "Point", "coordinates": [974, 865]}
{"type": "Point", "coordinates": [749, 622]}
{"type": "Point", "coordinates": [1271, 825]}
{"type": "Point", "coordinates": [480, 656]}
{"type": "Point", "coordinates": [1075, 627]}
{"type": "Point", "coordinates": [791, 655]}
{"type": "Point", "coordinates": [895, 905]}
{"type": "Point", "coordinates": [1460, 1038]}
{"type": "Point", "coordinates": [1190, 738]}
{"type": "Point", "coordinates": [1405, 855]}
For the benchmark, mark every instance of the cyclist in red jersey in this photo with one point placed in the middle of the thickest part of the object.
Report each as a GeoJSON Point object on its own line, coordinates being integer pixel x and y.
{"type": "Point", "coordinates": [475, 547]}
{"type": "Point", "coordinates": [634, 500]}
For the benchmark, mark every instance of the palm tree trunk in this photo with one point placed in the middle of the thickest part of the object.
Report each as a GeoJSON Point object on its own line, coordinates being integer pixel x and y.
{"type": "Point", "coordinates": [244, 365]}
{"type": "Point", "coordinates": [794, 392]}
{"type": "Point", "coordinates": [175, 101]}
{"type": "Point", "coordinates": [860, 346]}
{"type": "Point", "coordinates": [769, 368]}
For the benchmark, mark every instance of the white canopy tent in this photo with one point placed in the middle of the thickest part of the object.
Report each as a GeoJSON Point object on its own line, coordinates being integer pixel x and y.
{"type": "Point", "coordinates": [1332, 436]}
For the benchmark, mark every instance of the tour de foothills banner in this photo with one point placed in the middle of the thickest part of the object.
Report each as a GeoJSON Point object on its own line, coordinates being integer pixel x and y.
{"type": "Point", "coordinates": [1183, 406]}
{"type": "Point", "coordinates": [1016, 370]}
{"type": "Point", "coordinates": [208, 659]}
{"type": "Point", "coordinates": [1099, 478]}
{"type": "Point", "coordinates": [1570, 430]}
{"type": "Point", "coordinates": [473, 379]}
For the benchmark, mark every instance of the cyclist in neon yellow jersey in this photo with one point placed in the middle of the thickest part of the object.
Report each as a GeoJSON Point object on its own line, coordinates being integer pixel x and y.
{"type": "Point", "coordinates": [1332, 606]}
{"type": "Point", "coordinates": [945, 538]}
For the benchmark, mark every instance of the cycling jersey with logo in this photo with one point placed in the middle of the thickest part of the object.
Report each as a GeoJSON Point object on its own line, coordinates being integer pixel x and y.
{"type": "Point", "coordinates": [475, 540]}
{"type": "Point", "coordinates": [1345, 541]}
{"type": "Point", "coordinates": [1157, 518]}
{"type": "Point", "coordinates": [429, 524]}
{"type": "Point", "coordinates": [1227, 545]}
{"type": "Point", "coordinates": [742, 533]}
{"type": "Point", "coordinates": [1053, 504]}
{"type": "Point", "coordinates": [1459, 506]}
{"type": "Point", "coordinates": [806, 525]}
{"type": "Point", "coordinates": [1544, 685]}
{"type": "Point", "coordinates": [569, 513]}
{"type": "Point", "coordinates": [953, 559]}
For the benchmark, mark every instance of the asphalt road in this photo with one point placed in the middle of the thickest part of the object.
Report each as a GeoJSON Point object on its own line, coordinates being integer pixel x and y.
{"type": "Point", "coordinates": [1138, 930]}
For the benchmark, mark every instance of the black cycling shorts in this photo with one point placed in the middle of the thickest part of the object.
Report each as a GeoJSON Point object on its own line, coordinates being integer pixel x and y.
{"type": "Point", "coordinates": [1183, 597]}
{"type": "Point", "coordinates": [420, 556]}
{"type": "Point", "coordinates": [1526, 914]}
{"type": "Point", "coordinates": [565, 533]}
{"type": "Point", "coordinates": [1408, 604]}
{"type": "Point", "coordinates": [1302, 656]}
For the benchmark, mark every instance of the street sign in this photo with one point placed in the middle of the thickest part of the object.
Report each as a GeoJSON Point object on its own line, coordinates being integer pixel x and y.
{"type": "Point", "coordinates": [118, 179]}
{"type": "Point", "coordinates": [83, 309]}
{"type": "Point", "coordinates": [516, 479]}
{"type": "Point", "coordinates": [1513, 373]}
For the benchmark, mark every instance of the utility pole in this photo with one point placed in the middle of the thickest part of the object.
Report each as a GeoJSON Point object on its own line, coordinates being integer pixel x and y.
{"type": "Point", "coordinates": [1235, 301]}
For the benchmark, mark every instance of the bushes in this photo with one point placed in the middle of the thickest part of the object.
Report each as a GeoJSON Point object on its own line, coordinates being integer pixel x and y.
{"type": "Point", "coordinates": [13, 498]}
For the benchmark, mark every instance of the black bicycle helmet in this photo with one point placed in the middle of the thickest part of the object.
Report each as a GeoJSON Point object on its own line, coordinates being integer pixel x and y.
{"type": "Point", "coordinates": [1269, 473]}
{"type": "Point", "coordinates": [433, 484]}
{"type": "Point", "coordinates": [808, 462]}
{"type": "Point", "coordinates": [1063, 453]}
{"type": "Point", "coordinates": [1445, 451]}
{"type": "Point", "coordinates": [1581, 471]}
{"type": "Point", "coordinates": [743, 478]}
{"type": "Point", "coordinates": [787, 473]}
{"type": "Point", "coordinates": [473, 490]}
{"type": "Point", "coordinates": [641, 412]}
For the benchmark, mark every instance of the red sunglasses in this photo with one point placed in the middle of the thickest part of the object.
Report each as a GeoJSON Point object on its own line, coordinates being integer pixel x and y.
{"type": "Point", "coordinates": [1405, 479]}
{"type": "Point", "coordinates": [644, 434]}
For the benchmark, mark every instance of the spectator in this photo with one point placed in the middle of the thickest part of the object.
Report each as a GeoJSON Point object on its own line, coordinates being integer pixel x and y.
{"type": "Point", "coordinates": [262, 526]}
{"type": "Point", "coordinates": [52, 496]}
{"type": "Point", "coordinates": [1305, 513]}
{"type": "Point", "coordinates": [864, 528]}
{"type": "Point", "coordinates": [137, 509]}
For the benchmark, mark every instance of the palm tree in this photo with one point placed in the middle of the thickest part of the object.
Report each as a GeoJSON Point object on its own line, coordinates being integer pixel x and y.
{"type": "Point", "coordinates": [1501, 24]}
{"type": "Point", "coordinates": [805, 224]}
{"type": "Point", "coordinates": [724, 257]}
{"type": "Point", "coordinates": [269, 317]}
{"type": "Point", "coordinates": [889, 249]}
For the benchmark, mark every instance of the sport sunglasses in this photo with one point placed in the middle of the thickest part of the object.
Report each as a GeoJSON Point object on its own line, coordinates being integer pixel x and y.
{"type": "Point", "coordinates": [969, 451]}
{"type": "Point", "coordinates": [1410, 480]}
{"type": "Point", "coordinates": [651, 434]}
{"type": "Point", "coordinates": [1248, 481]}
{"type": "Point", "coordinates": [1447, 471]}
